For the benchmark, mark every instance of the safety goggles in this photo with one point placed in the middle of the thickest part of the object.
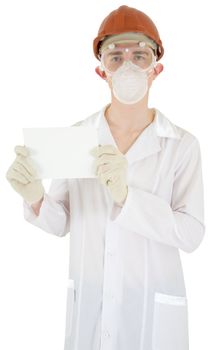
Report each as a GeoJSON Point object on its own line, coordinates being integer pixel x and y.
{"type": "Point", "coordinates": [139, 54]}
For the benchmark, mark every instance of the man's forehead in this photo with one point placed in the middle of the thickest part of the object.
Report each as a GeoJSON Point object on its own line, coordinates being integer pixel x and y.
{"type": "Point", "coordinates": [123, 44]}
{"type": "Point", "coordinates": [129, 43]}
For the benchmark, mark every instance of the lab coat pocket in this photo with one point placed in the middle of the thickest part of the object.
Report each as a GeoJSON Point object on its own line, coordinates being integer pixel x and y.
{"type": "Point", "coordinates": [170, 323]}
{"type": "Point", "coordinates": [70, 306]}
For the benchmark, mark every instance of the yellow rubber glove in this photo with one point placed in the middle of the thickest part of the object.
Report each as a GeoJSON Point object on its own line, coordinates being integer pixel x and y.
{"type": "Point", "coordinates": [21, 176]}
{"type": "Point", "coordinates": [111, 169]}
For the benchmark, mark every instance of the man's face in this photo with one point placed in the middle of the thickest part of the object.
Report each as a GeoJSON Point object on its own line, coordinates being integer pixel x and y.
{"type": "Point", "coordinates": [114, 56]}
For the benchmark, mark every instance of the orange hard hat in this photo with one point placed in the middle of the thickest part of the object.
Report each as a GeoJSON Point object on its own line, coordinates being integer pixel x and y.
{"type": "Point", "coordinates": [127, 19]}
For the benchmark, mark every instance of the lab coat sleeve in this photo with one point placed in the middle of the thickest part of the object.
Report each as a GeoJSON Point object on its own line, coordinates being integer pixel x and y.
{"type": "Point", "coordinates": [54, 215]}
{"type": "Point", "coordinates": [179, 224]}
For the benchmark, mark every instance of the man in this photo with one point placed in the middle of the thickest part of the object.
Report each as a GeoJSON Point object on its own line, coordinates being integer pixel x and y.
{"type": "Point", "coordinates": [126, 287]}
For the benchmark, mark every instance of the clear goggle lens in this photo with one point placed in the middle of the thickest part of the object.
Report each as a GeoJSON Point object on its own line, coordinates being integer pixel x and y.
{"type": "Point", "coordinates": [112, 58]}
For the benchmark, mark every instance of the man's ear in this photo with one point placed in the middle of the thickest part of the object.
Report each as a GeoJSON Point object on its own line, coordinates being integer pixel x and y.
{"type": "Point", "coordinates": [100, 72]}
{"type": "Point", "coordinates": [157, 70]}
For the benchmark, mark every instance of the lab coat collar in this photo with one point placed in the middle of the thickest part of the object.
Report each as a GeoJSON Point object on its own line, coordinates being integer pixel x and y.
{"type": "Point", "coordinates": [148, 141]}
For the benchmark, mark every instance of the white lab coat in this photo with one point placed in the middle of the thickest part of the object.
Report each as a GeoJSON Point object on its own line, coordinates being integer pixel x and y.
{"type": "Point", "coordinates": [126, 288]}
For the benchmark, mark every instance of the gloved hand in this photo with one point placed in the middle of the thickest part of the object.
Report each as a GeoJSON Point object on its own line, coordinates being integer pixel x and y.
{"type": "Point", "coordinates": [21, 176]}
{"type": "Point", "coordinates": [111, 170]}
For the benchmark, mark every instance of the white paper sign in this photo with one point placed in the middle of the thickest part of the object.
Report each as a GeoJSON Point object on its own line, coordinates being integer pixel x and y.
{"type": "Point", "coordinates": [62, 152]}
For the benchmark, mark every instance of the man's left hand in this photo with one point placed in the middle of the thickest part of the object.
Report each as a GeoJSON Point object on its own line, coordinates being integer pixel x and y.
{"type": "Point", "coordinates": [111, 169]}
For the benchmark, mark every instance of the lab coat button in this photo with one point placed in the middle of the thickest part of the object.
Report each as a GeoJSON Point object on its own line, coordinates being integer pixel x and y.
{"type": "Point", "coordinates": [106, 334]}
{"type": "Point", "coordinates": [110, 253]}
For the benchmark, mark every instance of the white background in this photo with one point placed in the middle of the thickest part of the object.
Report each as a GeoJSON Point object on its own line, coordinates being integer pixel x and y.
{"type": "Point", "coordinates": [47, 78]}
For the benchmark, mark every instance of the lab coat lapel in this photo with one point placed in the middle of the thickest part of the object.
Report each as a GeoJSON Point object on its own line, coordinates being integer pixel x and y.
{"type": "Point", "coordinates": [147, 143]}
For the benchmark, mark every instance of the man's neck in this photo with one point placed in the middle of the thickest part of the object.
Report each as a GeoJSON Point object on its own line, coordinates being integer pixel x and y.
{"type": "Point", "coordinates": [129, 118]}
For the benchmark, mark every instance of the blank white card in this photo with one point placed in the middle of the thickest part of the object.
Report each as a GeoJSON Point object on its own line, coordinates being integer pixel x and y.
{"type": "Point", "coordinates": [60, 153]}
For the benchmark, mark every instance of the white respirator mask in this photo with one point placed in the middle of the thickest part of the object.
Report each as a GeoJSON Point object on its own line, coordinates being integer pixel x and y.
{"type": "Point", "coordinates": [130, 83]}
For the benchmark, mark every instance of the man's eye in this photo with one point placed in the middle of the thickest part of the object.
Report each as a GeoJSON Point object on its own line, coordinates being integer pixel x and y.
{"type": "Point", "coordinates": [139, 58]}
{"type": "Point", "coordinates": [116, 59]}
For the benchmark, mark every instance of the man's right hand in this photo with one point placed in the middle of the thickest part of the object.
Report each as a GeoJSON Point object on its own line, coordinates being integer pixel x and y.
{"type": "Point", "coordinates": [22, 177]}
